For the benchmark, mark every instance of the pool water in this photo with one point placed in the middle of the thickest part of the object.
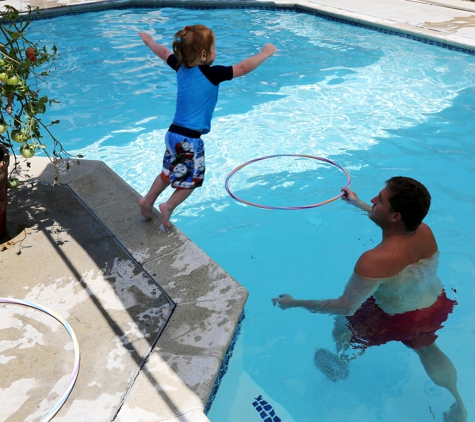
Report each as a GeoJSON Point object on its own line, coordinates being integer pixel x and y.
{"type": "Point", "coordinates": [377, 104]}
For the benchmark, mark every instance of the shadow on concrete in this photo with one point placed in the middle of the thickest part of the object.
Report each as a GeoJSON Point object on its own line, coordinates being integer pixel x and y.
{"type": "Point", "coordinates": [53, 239]}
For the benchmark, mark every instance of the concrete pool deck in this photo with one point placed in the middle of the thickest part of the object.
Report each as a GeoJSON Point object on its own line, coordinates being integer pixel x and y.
{"type": "Point", "coordinates": [153, 314]}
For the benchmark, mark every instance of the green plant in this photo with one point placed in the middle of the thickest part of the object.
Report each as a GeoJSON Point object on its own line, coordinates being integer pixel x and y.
{"type": "Point", "coordinates": [24, 67]}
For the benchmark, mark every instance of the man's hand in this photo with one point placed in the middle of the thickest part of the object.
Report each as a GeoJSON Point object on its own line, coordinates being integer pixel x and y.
{"type": "Point", "coordinates": [284, 301]}
{"type": "Point", "coordinates": [349, 196]}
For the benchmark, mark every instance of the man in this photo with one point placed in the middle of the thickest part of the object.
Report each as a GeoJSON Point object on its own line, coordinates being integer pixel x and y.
{"type": "Point", "coordinates": [394, 292]}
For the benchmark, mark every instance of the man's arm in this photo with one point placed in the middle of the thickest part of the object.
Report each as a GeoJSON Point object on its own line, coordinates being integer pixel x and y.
{"type": "Point", "coordinates": [158, 49]}
{"type": "Point", "coordinates": [249, 64]}
{"type": "Point", "coordinates": [357, 290]}
{"type": "Point", "coordinates": [352, 198]}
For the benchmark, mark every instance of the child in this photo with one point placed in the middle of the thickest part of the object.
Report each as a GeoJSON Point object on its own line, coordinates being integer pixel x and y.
{"type": "Point", "coordinates": [194, 51]}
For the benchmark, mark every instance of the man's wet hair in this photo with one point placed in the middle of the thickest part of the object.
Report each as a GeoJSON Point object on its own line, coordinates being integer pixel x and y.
{"type": "Point", "coordinates": [410, 198]}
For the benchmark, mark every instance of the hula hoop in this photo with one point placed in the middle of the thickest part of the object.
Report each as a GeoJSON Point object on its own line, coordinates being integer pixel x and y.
{"type": "Point", "coordinates": [302, 207]}
{"type": "Point", "coordinates": [74, 375]}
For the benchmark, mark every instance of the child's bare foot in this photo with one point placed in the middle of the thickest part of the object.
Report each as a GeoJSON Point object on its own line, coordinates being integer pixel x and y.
{"type": "Point", "coordinates": [166, 214]}
{"type": "Point", "coordinates": [456, 413]}
{"type": "Point", "coordinates": [146, 208]}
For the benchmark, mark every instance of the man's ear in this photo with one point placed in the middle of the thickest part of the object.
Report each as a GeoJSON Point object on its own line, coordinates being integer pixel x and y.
{"type": "Point", "coordinates": [396, 217]}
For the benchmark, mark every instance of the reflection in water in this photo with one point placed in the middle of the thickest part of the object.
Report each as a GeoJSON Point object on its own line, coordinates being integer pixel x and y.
{"type": "Point", "coordinates": [394, 293]}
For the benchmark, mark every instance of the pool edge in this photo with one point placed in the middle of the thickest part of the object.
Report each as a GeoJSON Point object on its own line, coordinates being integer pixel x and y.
{"type": "Point", "coordinates": [179, 374]}
{"type": "Point", "coordinates": [420, 31]}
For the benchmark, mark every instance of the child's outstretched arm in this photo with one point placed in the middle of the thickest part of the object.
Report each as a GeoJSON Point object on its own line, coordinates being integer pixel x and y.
{"type": "Point", "coordinates": [158, 49]}
{"type": "Point", "coordinates": [249, 64]}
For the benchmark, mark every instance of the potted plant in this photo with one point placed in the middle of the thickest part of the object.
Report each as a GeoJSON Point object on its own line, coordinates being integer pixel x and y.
{"type": "Point", "coordinates": [24, 67]}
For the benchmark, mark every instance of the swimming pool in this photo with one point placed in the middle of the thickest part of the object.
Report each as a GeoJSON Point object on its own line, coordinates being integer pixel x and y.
{"type": "Point", "coordinates": [375, 103]}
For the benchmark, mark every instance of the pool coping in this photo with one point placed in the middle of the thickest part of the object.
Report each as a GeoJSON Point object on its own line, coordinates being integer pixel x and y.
{"type": "Point", "coordinates": [177, 375]}
{"type": "Point", "coordinates": [188, 372]}
{"type": "Point", "coordinates": [441, 31]}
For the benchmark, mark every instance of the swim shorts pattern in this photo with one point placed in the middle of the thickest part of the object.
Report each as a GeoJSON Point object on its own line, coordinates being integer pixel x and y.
{"type": "Point", "coordinates": [184, 161]}
{"type": "Point", "coordinates": [371, 326]}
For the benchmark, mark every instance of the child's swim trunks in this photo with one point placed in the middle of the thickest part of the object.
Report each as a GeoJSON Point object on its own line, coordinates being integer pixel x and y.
{"type": "Point", "coordinates": [184, 159]}
{"type": "Point", "coordinates": [371, 326]}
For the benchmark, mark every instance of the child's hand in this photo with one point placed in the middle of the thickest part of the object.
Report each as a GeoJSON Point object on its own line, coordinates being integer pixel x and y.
{"type": "Point", "coordinates": [146, 38]}
{"type": "Point", "coordinates": [269, 49]}
{"type": "Point", "coordinates": [157, 49]}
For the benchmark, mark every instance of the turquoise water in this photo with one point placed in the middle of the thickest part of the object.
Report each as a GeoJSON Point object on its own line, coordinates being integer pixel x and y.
{"type": "Point", "coordinates": [377, 104]}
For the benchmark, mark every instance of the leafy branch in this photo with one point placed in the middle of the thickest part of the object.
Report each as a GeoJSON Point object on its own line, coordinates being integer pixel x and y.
{"type": "Point", "coordinates": [24, 66]}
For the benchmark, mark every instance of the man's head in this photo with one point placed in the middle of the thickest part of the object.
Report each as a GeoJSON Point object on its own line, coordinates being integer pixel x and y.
{"type": "Point", "coordinates": [409, 198]}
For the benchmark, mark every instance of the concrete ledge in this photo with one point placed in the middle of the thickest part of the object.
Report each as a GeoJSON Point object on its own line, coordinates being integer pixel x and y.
{"type": "Point", "coordinates": [424, 19]}
{"type": "Point", "coordinates": [173, 378]}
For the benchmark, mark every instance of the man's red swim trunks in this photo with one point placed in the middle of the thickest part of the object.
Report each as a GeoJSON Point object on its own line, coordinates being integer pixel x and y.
{"type": "Point", "coordinates": [371, 326]}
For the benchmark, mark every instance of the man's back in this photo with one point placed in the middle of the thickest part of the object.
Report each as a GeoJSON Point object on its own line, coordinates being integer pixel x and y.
{"type": "Point", "coordinates": [406, 265]}
{"type": "Point", "coordinates": [396, 252]}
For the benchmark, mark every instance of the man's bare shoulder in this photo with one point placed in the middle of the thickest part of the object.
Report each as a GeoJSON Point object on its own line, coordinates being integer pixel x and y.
{"type": "Point", "coordinates": [391, 256]}
{"type": "Point", "coordinates": [425, 231]}
{"type": "Point", "coordinates": [375, 263]}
